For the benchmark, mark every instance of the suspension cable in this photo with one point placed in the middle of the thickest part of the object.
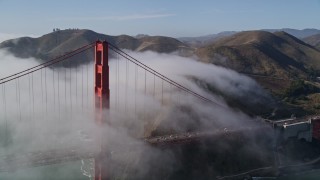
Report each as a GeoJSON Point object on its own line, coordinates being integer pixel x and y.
{"type": "Point", "coordinates": [159, 75]}
{"type": "Point", "coordinates": [44, 65]}
{"type": "Point", "coordinates": [116, 50]}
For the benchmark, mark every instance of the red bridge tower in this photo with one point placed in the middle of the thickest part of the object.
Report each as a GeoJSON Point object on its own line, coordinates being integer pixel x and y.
{"type": "Point", "coordinates": [102, 102]}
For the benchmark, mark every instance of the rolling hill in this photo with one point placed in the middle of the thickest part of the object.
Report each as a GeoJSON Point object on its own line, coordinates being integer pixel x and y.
{"type": "Point", "coordinates": [211, 38]}
{"type": "Point", "coordinates": [60, 42]}
{"type": "Point", "coordinates": [262, 53]}
{"type": "Point", "coordinates": [277, 61]}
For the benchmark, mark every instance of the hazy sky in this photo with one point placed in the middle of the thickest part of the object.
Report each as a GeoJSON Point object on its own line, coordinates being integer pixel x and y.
{"type": "Point", "coordinates": [156, 17]}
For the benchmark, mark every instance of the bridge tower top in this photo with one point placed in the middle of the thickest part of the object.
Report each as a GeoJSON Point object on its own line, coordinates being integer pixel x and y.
{"type": "Point", "coordinates": [101, 85]}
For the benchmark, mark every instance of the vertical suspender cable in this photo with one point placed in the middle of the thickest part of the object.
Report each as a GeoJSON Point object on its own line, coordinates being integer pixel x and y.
{"type": "Point", "coordinates": [54, 92]}
{"type": "Point", "coordinates": [154, 85]}
{"type": "Point", "coordinates": [76, 86]}
{"type": "Point", "coordinates": [170, 91]}
{"type": "Point", "coordinates": [116, 81]}
{"type": "Point", "coordinates": [59, 94]}
{"type": "Point", "coordinates": [29, 87]}
{"type": "Point", "coordinates": [178, 96]}
{"type": "Point", "coordinates": [19, 99]}
{"type": "Point", "coordinates": [145, 94]}
{"type": "Point", "coordinates": [42, 103]}
{"type": "Point", "coordinates": [162, 101]}
{"type": "Point", "coordinates": [87, 83]}
{"type": "Point", "coordinates": [118, 69]}
{"type": "Point", "coordinates": [5, 112]}
{"type": "Point", "coordinates": [32, 97]}
{"type": "Point", "coordinates": [135, 89]}
{"type": "Point", "coordinates": [2, 101]}
{"type": "Point", "coordinates": [145, 83]}
{"type": "Point", "coordinates": [82, 88]}
{"type": "Point", "coordinates": [93, 94]}
{"type": "Point", "coordinates": [71, 110]}
{"type": "Point", "coordinates": [162, 92]}
{"type": "Point", "coordinates": [65, 89]}
{"type": "Point", "coordinates": [45, 87]}
{"type": "Point", "coordinates": [126, 88]}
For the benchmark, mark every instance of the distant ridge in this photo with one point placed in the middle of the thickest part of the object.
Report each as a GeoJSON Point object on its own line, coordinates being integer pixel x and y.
{"type": "Point", "coordinates": [204, 40]}
{"type": "Point", "coordinates": [296, 32]}
{"type": "Point", "coordinates": [207, 39]}
{"type": "Point", "coordinates": [60, 42]}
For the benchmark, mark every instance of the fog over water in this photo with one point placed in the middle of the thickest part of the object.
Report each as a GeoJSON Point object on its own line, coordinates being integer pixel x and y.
{"type": "Point", "coordinates": [54, 108]}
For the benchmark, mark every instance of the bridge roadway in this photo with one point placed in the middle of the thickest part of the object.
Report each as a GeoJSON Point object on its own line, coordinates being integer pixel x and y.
{"type": "Point", "coordinates": [47, 157]}
{"type": "Point", "coordinates": [85, 151]}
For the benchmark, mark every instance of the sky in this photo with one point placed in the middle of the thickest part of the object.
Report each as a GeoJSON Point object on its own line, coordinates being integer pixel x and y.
{"type": "Point", "coordinates": [175, 18]}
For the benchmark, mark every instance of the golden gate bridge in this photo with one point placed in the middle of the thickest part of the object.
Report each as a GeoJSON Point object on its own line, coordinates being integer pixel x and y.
{"type": "Point", "coordinates": [47, 101]}
{"type": "Point", "coordinates": [45, 108]}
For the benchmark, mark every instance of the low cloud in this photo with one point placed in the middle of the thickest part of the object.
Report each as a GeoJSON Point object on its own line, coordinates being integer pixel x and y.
{"type": "Point", "coordinates": [7, 36]}
{"type": "Point", "coordinates": [4, 36]}
{"type": "Point", "coordinates": [54, 107]}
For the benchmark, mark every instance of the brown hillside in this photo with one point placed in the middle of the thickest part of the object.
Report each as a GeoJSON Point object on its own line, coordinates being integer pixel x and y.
{"type": "Point", "coordinates": [262, 53]}
{"type": "Point", "coordinates": [60, 42]}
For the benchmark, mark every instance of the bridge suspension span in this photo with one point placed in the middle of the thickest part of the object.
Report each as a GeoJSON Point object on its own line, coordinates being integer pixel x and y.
{"type": "Point", "coordinates": [56, 100]}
